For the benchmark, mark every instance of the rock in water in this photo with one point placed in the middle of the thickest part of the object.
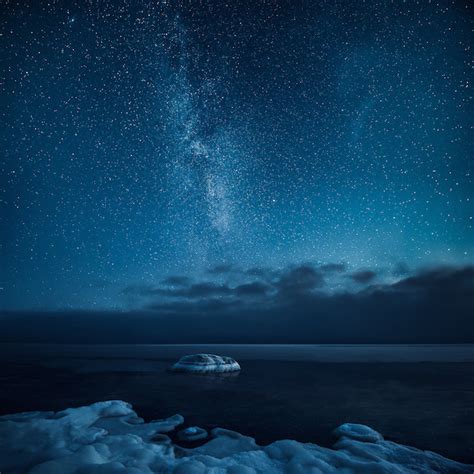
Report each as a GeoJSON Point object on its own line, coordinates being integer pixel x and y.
{"type": "Point", "coordinates": [206, 364]}
{"type": "Point", "coordinates": [193, 433]}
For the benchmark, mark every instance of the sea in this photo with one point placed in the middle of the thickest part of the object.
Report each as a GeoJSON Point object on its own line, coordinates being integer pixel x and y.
{"type": "Point", "coordinates": [418, 395]}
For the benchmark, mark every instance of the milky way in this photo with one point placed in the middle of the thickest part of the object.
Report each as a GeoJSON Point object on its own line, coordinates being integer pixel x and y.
{"type": "Point", "coordinates": [144, 140]}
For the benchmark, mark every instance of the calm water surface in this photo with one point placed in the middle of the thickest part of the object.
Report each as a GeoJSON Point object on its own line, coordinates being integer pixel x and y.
{"type": "Point", "coordinates": [417, 395]}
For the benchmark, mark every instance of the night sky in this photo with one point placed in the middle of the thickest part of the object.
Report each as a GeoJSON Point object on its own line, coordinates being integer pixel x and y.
{"type": "Point", "coordinates": [211, 154]}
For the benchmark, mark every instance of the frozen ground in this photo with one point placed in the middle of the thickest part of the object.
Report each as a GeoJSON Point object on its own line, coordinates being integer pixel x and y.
{"type": "Point", "coordinates": [108, 437]}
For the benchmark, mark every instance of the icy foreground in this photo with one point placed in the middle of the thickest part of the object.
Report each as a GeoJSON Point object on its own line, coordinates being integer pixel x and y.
{"type": "Point", "coordinates": [109, 437]}
{"type": "Point", "coordinates": [206, 364]}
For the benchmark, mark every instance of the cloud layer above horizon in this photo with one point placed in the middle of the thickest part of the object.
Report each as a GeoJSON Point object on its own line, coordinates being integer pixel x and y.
{"type": "Point", "coordinates": [231, 286]}
{"type": "Point", "coordinates": [304, 303]}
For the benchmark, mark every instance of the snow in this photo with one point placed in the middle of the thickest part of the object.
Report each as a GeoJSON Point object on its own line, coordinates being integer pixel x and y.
{"type": "Point", "coordinates": [206, 363]}
{"type": "Point", "coordinates": [358, 432]}
{"type": "Point", "coordinates": [193, 433]}
{"type": "Point", "coordinates": [108, 437]}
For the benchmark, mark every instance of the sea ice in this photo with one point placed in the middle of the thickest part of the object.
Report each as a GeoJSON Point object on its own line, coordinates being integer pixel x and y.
{"type": "Point", "coordinates": [109, 438]}
{"type": "Point", "coordinates": [206, 364]}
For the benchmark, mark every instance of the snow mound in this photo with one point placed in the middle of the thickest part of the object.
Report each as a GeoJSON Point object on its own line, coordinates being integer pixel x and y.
{"type": "Point", "coordinates": [206, 364]}
{"type": "Point", "coordinates": [109, 438]}
{"type": "Point", "coordinates": [358, 433]}
{"type": "Point", "coordinates": [193, 433]}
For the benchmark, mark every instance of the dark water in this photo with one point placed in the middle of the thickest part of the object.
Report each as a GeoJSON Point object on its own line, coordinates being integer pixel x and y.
{"type": "Point", "coordinates": [422, 396]}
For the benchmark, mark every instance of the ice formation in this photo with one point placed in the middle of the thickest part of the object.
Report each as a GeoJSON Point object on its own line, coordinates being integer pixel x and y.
{"type": "Point", "coordinates": [109, 438]}
{"type": "Point", "coordinates": [193, 433]}
{"type": "Point", "coordinates": [206, 364]}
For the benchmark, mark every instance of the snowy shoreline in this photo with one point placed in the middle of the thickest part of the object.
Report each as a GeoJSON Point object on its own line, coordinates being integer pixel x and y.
{"type": "Point", "coordinates": [109, 437]}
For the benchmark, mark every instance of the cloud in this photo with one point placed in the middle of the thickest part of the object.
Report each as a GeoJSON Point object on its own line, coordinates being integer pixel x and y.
{"type": "Point", "coordinates": [441, 280]}
{"type": "Point", "coordinates": [333, 267]}
{"type": "Point", "coordinates": [363, 276]}
{"type": "Point", "coordinates": [252, 289]}
{"type": "Point", "coordinates": [177, 281]}
{"type": "Point", "coordinates": [295, 305]}
{"type": "Point", "coordinates": [195, 291]}
{"type": "Point", "coordinates": [208, 306]}
{"type": "Point", "coordinates": [291, 305]}
{"type": "Point", "coordinates": [299, 280]}
{"type": "Point", "coordinates": [401, 269]}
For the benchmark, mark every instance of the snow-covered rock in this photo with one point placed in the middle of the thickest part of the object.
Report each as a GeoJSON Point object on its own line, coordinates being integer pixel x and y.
{"type": "Point", "coordinates": [206, 364]}
{"type": "Point", "coordinates": [358, 433]}
{"type": "Point", "coordinates": [109, 438]}
{"type": "Point", "coordinates": [193, 433]}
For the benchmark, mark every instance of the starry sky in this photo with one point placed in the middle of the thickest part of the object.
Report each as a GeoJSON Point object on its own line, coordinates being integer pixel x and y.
{"type": "Point", "coordinates": [194, 153]}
